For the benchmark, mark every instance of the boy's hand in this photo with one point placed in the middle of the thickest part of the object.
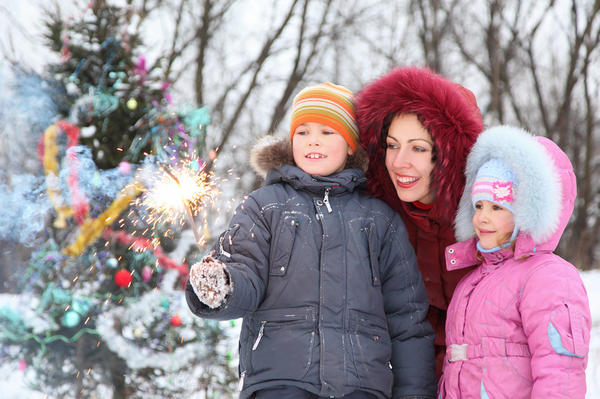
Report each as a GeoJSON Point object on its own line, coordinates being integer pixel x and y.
{"type": "Point", "coordinates": [210, 281]}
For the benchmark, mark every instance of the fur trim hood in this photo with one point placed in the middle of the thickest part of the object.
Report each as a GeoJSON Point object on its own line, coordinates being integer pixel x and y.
{"type": "Point", "coordinates": [450, 114]}
{"type": "Point", "coordinates": [271, 153]}
{"type": "Point", "coordinates": [545, 191]}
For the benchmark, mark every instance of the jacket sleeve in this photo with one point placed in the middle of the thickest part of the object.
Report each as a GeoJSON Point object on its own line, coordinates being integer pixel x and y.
{"type": "Point", "coordinates": [244, 249]}
{"type": "Point", "coordinates": [556, 319]}
{"type": "Point", "coordinates": [406, 306]}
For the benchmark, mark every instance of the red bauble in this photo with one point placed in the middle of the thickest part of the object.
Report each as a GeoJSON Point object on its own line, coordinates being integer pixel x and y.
{"type": "Point", "coordinates": [176, 320]}
{"type": "Point", "coordinates": [123, 278]}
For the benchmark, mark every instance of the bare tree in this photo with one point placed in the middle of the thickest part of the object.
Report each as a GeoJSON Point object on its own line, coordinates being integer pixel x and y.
{"type": "Point", "coordinates": [544, 88]}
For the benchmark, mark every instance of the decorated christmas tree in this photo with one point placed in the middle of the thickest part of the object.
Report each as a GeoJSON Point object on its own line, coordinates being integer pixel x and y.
{"type": "Point", "coordinates": [121, 185]}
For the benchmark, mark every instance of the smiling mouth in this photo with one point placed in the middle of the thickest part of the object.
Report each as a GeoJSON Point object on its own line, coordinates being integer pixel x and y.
{"type": "Point", "coordinates": [315, 155]}
{"type": "Point", "coordinates": [406, 181]}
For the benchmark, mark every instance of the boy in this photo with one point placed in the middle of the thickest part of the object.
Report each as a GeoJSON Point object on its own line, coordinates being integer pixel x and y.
{"type": "Point", "coordinates": [323, 274]}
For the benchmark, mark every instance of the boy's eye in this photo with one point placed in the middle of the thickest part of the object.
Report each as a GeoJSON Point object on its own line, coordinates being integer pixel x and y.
{"type": "Point", "coordinates": [301, 132]}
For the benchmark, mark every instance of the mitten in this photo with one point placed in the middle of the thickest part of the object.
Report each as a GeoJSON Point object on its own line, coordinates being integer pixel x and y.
{"type": "Point", "coordinates": [210, 282]}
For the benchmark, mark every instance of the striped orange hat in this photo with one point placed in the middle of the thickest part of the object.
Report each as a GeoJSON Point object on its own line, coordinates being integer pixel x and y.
{"type": "Point", "coordinates": [329, 104]}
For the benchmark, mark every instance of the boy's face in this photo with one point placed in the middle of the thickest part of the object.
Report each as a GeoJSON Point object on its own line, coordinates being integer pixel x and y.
{"type": "Point", "coordinates": [319, 149]}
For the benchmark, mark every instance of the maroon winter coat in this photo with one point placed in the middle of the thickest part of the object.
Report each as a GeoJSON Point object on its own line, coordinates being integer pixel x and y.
{"type": "Point", "coordinates": [450, 113]}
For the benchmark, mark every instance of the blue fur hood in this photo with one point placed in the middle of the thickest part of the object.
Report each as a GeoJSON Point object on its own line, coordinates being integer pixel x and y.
{"type": "Point", "coordinates": [545, 192]}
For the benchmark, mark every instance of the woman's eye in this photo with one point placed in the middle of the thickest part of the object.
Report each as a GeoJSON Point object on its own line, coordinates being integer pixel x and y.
{"type": "Point", "coordinates": [391, 146]}
{"type": "Point", "coordinates": [419, 149]}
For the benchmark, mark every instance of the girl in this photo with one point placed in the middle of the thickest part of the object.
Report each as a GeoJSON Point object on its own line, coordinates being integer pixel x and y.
{"type": "Point", "coordinates": [519, 324]}
{"type": "Point", "coordinates": [418, 128]}
{"type": "Point", "coordinates": [323, 274]}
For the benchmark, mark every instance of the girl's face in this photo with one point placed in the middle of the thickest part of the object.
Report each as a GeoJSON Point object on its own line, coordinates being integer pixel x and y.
{"type": "Point", "coordinates": [493, 224]}
{"type": "Point", "coordinates": [319, 149]}
{"type": "Point", "coordinates": [409, 159]}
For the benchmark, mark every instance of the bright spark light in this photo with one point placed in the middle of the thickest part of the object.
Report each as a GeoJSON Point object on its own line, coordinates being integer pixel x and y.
{"type": "Point", "coordinates": [177, 195]}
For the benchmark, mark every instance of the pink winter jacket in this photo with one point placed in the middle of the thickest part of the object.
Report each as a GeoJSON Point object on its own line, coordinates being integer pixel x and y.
{"type": "Point", "coordinates": [518, 325]}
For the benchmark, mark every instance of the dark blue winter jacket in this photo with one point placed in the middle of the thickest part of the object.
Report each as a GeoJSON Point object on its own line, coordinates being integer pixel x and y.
{"type": "Point", "coordinates": [327, 283]}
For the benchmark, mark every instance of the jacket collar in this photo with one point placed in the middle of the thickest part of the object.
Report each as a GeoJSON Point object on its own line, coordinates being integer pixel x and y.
{"type": "Point", "coordinates": [347, 180]}
{"type": "Point", "coordinates": [464, 254]}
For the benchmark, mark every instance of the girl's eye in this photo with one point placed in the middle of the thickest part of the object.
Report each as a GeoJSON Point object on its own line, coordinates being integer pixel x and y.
{"type": "Point", "coordinates": [327, 132]}
{"type": "Point", "coordinates": [497, 207]}
{"type": "Point", "coordinates": [301, 132]}
{"type": "Point", "coordinates": [478, 206]}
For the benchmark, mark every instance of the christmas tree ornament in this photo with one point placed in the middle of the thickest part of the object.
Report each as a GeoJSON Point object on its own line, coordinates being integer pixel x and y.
{"type": "Point", "coordinates": [147, 273]}
{"type": "Point", "coordinates": [123, 278]}
{"type": "Point", "coordinates": [48, 152]}
{"type": "Point", "coordinates": [70, 319]}
{"type": "Point", "coordinates": [81, 306]}
{"type": "Point", "coordinates": [164, 302]}
{"type": "Point", "coordinates": [104, 104]}
{"type": "Point", "coordinates": [124, 168]}
{"type": "Point", "coordinates": [112, 262]}
{"type": "Point", "coordinates": [175, 321]}
{"type": "Point", "coordinates": [91, 229]}
{"type": "Point", "coordinates": [138, 332]}
{"type": "Point", "coordinates": [132, 104]}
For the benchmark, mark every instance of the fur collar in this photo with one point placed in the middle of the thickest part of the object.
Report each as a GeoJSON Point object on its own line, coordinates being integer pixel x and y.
{"type": "Point", "coordinates": [271, 153]}
{"type": "Point", "coordinates": [543, 192]}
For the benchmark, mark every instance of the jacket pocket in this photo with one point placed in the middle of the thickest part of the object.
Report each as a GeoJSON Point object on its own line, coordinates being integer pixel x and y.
{"type": "Point", "coordinates": [282, 245]}
{"type": "Point", "coordinates": [280, 344]}
{"type": "Point", "coordinates": [371, 350]}
{"type": "Point", "coordinates": [566, 332]}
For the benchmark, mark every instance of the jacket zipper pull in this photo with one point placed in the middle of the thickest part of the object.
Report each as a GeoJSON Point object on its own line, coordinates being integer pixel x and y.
{"type": "Point", "coordinates": [326, 200]}
{"type": "Point", "coordinates": [260, 335]}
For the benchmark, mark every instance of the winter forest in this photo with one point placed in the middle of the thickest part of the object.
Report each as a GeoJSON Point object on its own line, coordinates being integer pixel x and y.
{"type": "Point", "coordinates": [125, 129]}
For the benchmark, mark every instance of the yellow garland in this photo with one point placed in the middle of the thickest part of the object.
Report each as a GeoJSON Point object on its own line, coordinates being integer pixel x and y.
{"type": "Point", "coordinates": [91, 229]}
{"type": "Point", "coordinates": [51, 168]}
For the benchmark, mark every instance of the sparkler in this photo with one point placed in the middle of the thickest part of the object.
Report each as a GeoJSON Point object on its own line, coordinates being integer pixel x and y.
{"type": "Point", "coordinates": [186, 207]}
{"type": "Point", "coordinates": [180, 190]}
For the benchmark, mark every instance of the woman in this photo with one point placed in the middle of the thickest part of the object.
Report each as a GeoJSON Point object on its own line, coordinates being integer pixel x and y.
{"type": "Point", "coordinates": [423, 126]}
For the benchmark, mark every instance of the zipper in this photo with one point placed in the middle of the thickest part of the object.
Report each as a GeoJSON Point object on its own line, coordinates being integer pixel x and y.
{"type": "Point", "coordinates": [326, 200]}
{"type": "Point", "coordinates": [260, 335]}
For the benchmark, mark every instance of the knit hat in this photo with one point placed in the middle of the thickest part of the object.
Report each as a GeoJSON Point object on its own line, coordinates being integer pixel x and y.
{"type": "Point", "coordinates": [329, 104]}
{"type": "Point", "coordinates": [495, 182]}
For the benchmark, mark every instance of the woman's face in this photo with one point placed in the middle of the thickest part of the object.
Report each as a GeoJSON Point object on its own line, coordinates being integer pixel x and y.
{"type": "Point", "coordinates": [409, 159]}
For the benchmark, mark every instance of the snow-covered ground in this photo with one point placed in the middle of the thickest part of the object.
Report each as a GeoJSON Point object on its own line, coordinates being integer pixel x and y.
{"type": "Point", "coordinates": [13, 379]}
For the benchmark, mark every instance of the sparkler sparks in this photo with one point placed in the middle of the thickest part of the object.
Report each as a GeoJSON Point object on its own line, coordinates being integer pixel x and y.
{"type": "Point", "coordinates": [177, 194]}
